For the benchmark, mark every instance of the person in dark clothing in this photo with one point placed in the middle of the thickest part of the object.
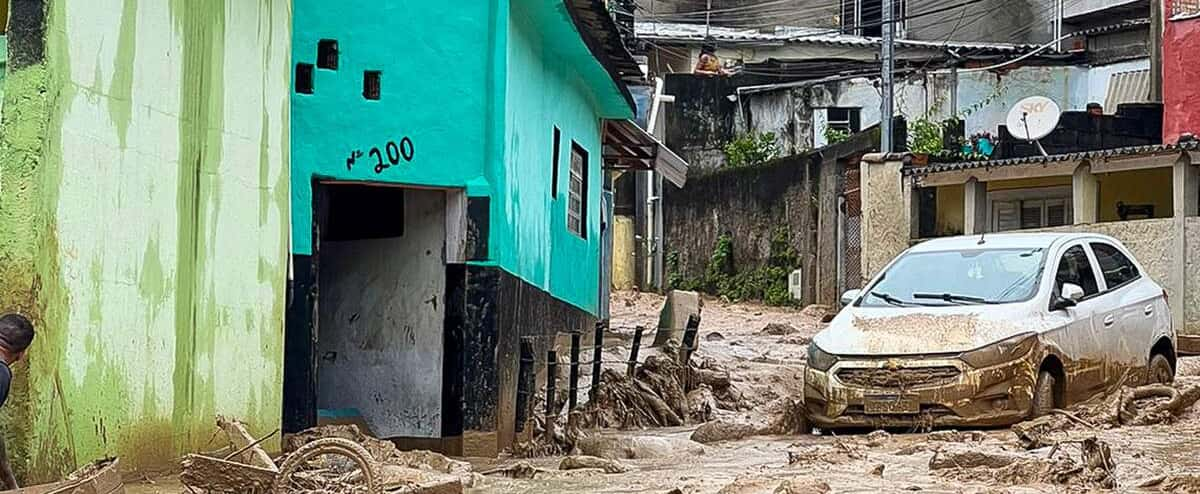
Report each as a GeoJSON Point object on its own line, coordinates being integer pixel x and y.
{"type": "Point", "coordinates": [16, 334]}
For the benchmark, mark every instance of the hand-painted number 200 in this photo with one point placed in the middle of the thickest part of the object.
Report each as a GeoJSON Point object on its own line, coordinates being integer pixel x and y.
{"type": "Point", "coordinates": [394, 153]}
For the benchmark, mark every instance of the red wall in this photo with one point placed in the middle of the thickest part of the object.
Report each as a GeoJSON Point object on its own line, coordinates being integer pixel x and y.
{"type": "Point", "coordinates": [1181, 77]}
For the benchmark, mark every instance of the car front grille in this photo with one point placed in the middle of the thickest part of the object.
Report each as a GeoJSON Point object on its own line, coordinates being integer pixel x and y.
{"type": "Point", "coordinates": [914, 377]}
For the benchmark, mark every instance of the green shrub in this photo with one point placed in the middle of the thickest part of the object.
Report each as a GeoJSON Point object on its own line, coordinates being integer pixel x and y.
{"type": "Point", "coordinates": [924, 137]}
{"type": "Point", "coordinates": [751, 149]}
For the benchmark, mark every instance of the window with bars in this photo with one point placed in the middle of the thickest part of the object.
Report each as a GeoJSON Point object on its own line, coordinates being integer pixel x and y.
{"type": "Point", "coordinates": [577, 193]}
{"type": "Point", "coordinates": [1185, 8]}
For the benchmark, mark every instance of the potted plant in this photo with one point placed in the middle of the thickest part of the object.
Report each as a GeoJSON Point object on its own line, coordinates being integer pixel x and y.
{"type": "Point", "coordinates": [924, 139]}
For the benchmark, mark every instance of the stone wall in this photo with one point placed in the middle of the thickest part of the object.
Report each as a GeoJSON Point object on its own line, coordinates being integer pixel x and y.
{"type": "Point", "coordinates": [797, 195]}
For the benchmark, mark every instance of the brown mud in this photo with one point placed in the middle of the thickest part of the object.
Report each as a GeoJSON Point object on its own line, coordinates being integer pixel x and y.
{"type": "Point", "coordinates": [1093, 454]}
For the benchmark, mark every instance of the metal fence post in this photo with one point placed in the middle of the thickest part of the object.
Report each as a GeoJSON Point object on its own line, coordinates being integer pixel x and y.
{"type": "Point", "coordinates": [597, 357]}
{"type": "Point", "coordinates": [573, 385]}
{"type": "Point", "coordinates": [551, 378]}
{"type": "Point", "coordinates": [633, 352]}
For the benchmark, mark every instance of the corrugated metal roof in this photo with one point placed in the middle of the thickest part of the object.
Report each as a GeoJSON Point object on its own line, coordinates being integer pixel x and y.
{"type": "Point", "coordinates": [684, 32]}
{"type": "Point", "coordinates": [1054, 158]}
{"type": "Point", "coordinates": [1128, 87]}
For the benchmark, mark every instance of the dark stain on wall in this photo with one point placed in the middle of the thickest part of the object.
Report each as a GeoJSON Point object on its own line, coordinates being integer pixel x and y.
{"type": "Point", "coordinates": [500, 309]}
{"type": "Point", "coordinates": [26, 33]}
{"type": "Point", "coordinates": [478, 218]}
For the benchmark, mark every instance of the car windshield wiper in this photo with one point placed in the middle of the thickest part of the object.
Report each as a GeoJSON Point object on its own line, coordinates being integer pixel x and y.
{"type": "Point", "coordinates": [953, 298]}
{"type": "Point", "coordinates": [890, 299]}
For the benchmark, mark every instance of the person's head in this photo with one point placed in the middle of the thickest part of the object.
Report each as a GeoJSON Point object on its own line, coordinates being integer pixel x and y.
{"type": "Point", "coordinates": [708, 50]}
{"type": "Point", "coordinates": [16, 334]}
{"type": "Point", "coordinates": [1095, 109]}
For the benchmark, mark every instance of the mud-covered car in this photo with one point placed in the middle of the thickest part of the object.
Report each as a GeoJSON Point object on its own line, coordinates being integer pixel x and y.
{"type": "Point", "coordinates": [983, 331]}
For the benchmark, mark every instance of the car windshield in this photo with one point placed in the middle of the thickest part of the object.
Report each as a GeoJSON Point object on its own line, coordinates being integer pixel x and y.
{"type": "Point", "coordinates": [993, 276]}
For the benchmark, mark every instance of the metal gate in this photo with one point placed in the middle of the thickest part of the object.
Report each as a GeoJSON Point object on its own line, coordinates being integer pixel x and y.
{"type": "Point", "coordinates": [849, 240]}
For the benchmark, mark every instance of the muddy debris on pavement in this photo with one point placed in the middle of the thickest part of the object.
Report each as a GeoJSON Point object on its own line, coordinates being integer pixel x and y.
{"type": "Point", "coordinates": [592, 462]}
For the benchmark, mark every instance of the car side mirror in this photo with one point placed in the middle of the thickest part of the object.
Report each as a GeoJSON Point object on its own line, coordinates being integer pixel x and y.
{"type": "Point", "coordinates": [850, 296]}
{"type": "Point", "coordinates": [1072, 292]}
{"type": "Point", "coordinates": [1070, 296]}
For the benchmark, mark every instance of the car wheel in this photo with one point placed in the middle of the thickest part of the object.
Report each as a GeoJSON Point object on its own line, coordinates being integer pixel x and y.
{"type": "Point", "coordinates": [1161, 371]}
{"type": "Point", "coordinates": [1043, 394]}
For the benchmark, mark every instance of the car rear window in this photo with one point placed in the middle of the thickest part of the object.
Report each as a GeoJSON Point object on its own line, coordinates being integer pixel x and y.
{"type": "Point", "coordinates": [1115, 265]}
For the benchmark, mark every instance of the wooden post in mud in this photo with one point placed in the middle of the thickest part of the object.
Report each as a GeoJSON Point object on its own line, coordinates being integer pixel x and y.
{"type": "Point", "coordinates": [525, 383]}
{"type": "Point", "coordinates": [551, 381]}
{"type": "Point", "coordinates": [633, 352]}
{"type": "Point", "coordinates": [597, 356]}
{"type": "Point", "coordinates": [689, 338]}
{"type": "Point", "coordinates": [573, 386]}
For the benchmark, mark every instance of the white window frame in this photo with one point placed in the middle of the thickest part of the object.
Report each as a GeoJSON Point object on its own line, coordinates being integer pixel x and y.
{"type": "Point", "coordinates": [1031, 194]}
{"type": "Point", "coordinates": [577, 217]}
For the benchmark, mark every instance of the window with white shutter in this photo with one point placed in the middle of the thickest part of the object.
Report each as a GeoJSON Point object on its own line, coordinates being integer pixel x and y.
{"type": "Point", "coordinates": [1026, 209]}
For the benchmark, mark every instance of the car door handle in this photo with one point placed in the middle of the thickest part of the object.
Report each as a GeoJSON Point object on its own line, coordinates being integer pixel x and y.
{"type": "Point", "coordinates": [1109, 321]}
{"type": "Point", "coordinates": [1149, 311]}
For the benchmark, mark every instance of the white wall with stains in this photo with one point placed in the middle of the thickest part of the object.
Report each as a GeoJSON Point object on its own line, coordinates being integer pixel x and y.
{"type": "Point", "coordinates": [381, 320]}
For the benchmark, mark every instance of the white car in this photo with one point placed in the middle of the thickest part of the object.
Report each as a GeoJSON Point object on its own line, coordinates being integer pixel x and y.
{"type": "Point", "coordinates": [989, 330]}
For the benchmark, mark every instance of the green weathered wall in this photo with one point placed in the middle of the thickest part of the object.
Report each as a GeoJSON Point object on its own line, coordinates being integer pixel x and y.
{"type": "Point", "coordinates": [143, 226]}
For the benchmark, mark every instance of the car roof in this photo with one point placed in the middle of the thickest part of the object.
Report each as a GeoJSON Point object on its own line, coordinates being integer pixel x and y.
{"type": "Point", "coordinates": [1001, 241]}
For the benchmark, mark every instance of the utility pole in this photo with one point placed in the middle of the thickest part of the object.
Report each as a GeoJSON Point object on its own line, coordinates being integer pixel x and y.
{"type": "Point", "coordinates": [887, 57]}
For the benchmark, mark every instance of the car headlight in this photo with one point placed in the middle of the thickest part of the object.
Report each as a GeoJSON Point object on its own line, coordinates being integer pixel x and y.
{"type": "Point", "coordinates": [818, 359]}
{"type": "Point", "coordinates": [1000, 352]}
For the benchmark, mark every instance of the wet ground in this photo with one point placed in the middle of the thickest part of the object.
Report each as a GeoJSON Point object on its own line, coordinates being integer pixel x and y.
{"type": "Point", "coordinates": [765, 368]}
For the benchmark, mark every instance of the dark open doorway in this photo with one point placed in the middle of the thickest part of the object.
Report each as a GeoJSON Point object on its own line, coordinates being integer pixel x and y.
{"type": "Point", "coordinates": [375, 350]}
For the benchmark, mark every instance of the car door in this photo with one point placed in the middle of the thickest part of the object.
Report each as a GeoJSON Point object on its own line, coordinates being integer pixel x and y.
{"type": "Point", "coordinates": [1078, 337]}
{"type": "Point", "coordinates": [1131, 307]}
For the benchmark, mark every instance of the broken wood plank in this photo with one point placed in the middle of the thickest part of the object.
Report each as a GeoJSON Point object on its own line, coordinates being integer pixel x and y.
{"type": "Point", "coordinates": [241, 439]}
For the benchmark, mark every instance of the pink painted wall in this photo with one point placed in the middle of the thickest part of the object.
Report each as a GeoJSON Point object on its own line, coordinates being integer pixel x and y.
{"type": "Point", "coordinates": [1181, 77]}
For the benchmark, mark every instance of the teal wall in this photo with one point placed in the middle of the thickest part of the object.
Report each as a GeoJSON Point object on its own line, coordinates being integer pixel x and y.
{"type": "Point", "coordinates": [433, 61]}
{"type": "Point", "coordinates": [478, 89]}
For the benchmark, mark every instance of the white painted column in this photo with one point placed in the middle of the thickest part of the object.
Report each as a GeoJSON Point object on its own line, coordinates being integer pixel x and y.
{"type": "Point", "coordinates": [1187, 187]}
{"type": "Point", "coordinates": [975, 213]}
{"type": "Point", "coordinates": [1085, 195]}
{"type": "Point", "coordinates": [1186, 200]}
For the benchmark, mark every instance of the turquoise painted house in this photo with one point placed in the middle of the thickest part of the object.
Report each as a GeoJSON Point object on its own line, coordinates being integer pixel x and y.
{"type": "Point", "coordinates": [448, 164]}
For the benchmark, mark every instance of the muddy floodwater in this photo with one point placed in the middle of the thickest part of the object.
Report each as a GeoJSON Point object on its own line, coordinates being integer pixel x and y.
{"type": "Point", "coordinates": [764, 351]}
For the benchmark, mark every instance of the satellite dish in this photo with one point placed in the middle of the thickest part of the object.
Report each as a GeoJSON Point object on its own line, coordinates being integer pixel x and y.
{"type": "Point", "coordinates": [1033, 118]}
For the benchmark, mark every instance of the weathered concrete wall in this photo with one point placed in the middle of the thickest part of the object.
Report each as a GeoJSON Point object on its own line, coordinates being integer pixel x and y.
{"type": "Point", "coordinates": [144, 164]}
{"type": "Point", "coordinates": [886, 217]}
{"type": "Point", "coordinates": [749, 204]}
{"type": "Point", "coordinates": [1180, 73]}
{"type": "Point", "coordinates": [382, 323]}
{"type": "Point", "coordinates": [796, 195]}
{"type": "Point", "coordinates": [1191, 295]}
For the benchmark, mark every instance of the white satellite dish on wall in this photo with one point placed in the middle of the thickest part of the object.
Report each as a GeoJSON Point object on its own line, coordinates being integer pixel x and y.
{"type": "Point", "coordinates": [1033, 118]}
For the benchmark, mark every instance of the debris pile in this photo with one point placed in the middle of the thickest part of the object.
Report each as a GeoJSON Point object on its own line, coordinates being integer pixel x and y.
{"type": "Point", "coordinates": [1093, 467]}
{"type": "Point", "coordinates": [1145, 405]}
{"type": "Point", "coordinates": [840, 451]}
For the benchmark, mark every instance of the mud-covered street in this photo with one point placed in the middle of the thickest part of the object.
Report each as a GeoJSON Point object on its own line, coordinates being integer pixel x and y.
{"type": "Point", "coordinates": [763, 348]}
